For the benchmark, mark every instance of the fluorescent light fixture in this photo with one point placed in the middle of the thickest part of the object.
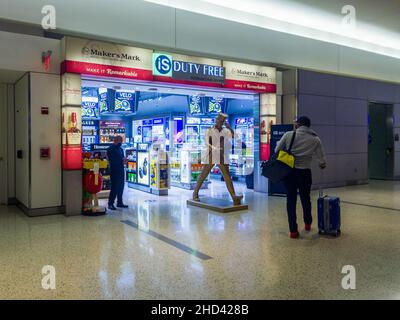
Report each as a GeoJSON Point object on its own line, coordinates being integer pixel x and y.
{"type": "Point", "coordinates": [296, 19]}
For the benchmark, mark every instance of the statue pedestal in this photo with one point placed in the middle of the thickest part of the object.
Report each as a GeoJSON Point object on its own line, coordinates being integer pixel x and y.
{"type": "Point", "coordinates": [218, 205]}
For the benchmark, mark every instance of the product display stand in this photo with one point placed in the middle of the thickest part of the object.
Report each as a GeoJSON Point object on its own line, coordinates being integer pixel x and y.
{"type": "Point", "coordinates": [159, 171]}
{"type": "Point", "coordinates": [148, 170]}
{"type": "Point", "coordinates": [217, 204]}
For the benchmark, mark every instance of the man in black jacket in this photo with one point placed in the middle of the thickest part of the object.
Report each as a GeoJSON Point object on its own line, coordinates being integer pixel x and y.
{"type": "Point", "coordinates": [116, 160]}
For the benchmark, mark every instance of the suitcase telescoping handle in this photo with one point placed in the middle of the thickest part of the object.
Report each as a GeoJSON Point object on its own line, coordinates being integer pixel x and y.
{"type": "Point", "coordinates": [321, 191]}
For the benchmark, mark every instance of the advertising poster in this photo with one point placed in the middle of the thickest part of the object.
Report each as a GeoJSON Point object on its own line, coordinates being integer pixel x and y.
{"type": "Point", "coordinates": [90, 107]}
{"type": "Point", "coordinates": [71, 138]}
{"type": "Point", "coordinates": [72, 124]}
{"type": "Point", "coordinates": [125, 101]}
{"type": "Point", "coordinates": [265, 136]}
{"type": "Point", "coordinates": [143, 167]}
{"type": "Point", "coordinates": [137, 131]}
{"type": "Point", "coordinates": [277, 132]}
{"type": "Point", "coordinates": [196, 105]}
{"type": "Point", "coordinates": [268, 104]}
{"type": "Point", "coordinates": [166, 131]}
{"type": "Point", "coordinates": [215, 105]}
{"type": "Point", "coordinates": [265, 128]}
{"type": "Point", "coordinates": [178, 130]}
{"type": "Point", "coordinates": [104, 105]}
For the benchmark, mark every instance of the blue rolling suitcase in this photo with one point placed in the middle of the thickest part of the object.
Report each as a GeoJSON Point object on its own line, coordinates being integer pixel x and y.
{"type": "Point", "coordinates": [328, 215]}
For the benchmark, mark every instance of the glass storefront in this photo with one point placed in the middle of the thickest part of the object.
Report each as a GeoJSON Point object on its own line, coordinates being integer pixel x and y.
{"type": "Point", "coordinates": [163, 130]}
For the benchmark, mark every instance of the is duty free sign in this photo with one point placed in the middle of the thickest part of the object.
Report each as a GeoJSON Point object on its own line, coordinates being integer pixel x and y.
{"type": "Point", "coordinates": [165, 66]}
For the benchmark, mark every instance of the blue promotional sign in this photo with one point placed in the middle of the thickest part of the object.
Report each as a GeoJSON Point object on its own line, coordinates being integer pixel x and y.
{"type": "Point", "coordinates": [215, 105]}
{"type": "Point", "coordinates": [90, 102]}
{"type": "Point", "coordinates": [277, 132]}
{"type": "Point", "coordinates": [147, 122]}
{"type": "Point", "coordinates": [125, 101]}
{"type": "Point", "coordinates": [196, 105]}
{"type": "Point", "coordinates": [158, 121]}
{"type": "Point", "coordinates": [104, 103]}
{"type": "Point", "coordinates": [90, 108]}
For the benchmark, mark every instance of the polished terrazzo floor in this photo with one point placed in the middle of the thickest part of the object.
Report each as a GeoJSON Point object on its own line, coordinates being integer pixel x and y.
{"type": "Point", "coordinates": [252, 256]}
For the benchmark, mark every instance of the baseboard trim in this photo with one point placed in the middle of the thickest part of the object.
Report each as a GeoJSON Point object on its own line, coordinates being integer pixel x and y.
{"type": "Point", "coordinates": [12, 201]}
{"type": "Point", "coordinates": [40, 211]}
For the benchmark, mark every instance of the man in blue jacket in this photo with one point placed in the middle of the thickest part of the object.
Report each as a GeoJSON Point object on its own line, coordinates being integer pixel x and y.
{"type": "Point", "coordinates": [116, 160]}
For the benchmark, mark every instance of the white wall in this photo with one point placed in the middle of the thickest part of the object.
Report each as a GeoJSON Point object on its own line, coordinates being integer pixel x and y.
{"type": "Point", "coordinates": [38, 181]}
{"type": "Point", "coordinates": [45, 132]}
{"type": "Point", "coordinates": [22, 174]}
{"type": "Point", "coordinates": [11, 141]}
{"type": "Point", "coordinates": [3, 144]}
{"type": "Point", "coordinates": [24, 52]}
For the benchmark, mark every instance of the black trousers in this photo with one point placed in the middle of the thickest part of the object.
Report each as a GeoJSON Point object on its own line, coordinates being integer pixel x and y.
{"type": "Point", "coordinates": [117, 188]}
{"type": "Point", "coordinates": [299, 180]}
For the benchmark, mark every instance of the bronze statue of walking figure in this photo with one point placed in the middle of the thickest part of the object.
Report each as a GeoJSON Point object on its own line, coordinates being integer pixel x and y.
{"type": "Point", "coordinates": [218, 146]}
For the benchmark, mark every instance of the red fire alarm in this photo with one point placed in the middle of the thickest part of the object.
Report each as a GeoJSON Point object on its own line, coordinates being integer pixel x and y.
{"type": "Point", "coordinates": [46, 59]}
{"type": "Point", "coordinates": [45, 153]}
{"type": "Point", "coordinates": [45, 110]}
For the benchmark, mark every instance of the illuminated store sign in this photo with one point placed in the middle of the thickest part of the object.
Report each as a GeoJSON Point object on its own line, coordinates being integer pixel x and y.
{"type": "Point", "coordinates": [164, 65]}
{"type": "Point", "coordinates": [92, 57]}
